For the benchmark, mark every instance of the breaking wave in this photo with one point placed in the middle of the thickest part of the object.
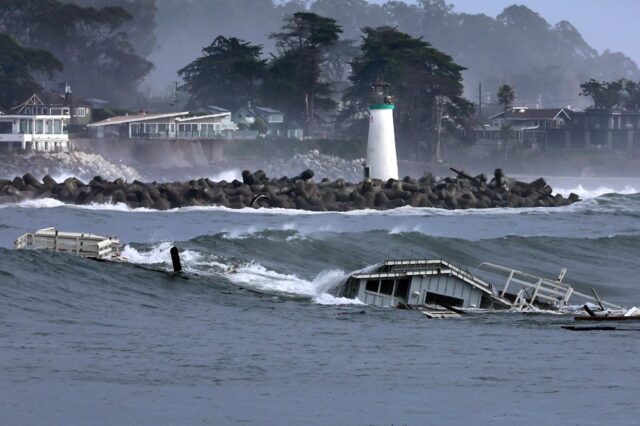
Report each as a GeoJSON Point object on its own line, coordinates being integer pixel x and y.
{"type": "Point", "coordinates": [249, 275]}
{"type": "Point", "coordinates": [586, 193]}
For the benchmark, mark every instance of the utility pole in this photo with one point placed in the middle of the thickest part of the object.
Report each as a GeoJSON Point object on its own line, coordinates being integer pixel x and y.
{"type": "Point", "coordinates": [480, 101]}
{"type": "Point", "coordinates": [438, 160]}
{"type": "Point", "coordinates": [174, 102]}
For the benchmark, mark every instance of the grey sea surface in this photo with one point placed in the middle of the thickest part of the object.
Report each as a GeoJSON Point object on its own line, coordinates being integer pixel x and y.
{"type": "Point", "coordinates": [83, 342]}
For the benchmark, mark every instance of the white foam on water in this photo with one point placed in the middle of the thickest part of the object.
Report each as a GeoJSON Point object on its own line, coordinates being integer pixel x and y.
{"type": "Point", "coordinates": [398, 212]}
{"type": "Point", "coordinates": [297, 237]}
{"type": "Point", "coordinates": [159, 254]}
{"type": "Point", "coordinates": [237, 234]}
{"type": "Point", "coordinates": [587, 193]}
{"type": "Point", "coordinates": [47, 203]}
{"type": "Point", "coordinates": [43, 203]}
{"type": "Point", "coordinates": [250, 275]}
{"type": "Point", "coordinates": [401, 229]}
{"type": "Point", "coordinates": [257, 277]}
{"type": "Point", "coordinates": [228, 175]}
{"type": "Point", "coordinates": [63, 175]}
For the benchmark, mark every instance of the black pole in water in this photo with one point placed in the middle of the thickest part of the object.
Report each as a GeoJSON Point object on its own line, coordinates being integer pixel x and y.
{"type": "Point", "coordinates": [175, 259]}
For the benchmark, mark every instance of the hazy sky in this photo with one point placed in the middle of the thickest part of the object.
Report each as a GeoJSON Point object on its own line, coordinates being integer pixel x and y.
{"type": "Point", "coordinates": [604, 24]}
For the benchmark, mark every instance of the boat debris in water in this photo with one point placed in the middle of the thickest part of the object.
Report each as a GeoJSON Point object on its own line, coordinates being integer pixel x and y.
{"type": "Point", "coordinates": [632, 314]}
{"type": "Point", "coordinates": [81, 244]}
{"type": "Point", "coordinates": [436, 288]}
{"type": "Point", "coordinates": [440, 289]}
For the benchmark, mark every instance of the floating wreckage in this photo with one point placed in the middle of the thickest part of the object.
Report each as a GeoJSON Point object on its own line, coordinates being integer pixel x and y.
{"type": "Point", "coordinates": [440, 289]}
{"type": "Point", "coordinates": [91, 246]}
{"type": "Point", "coordinates": [435, 287]}
{"type": "Point", "coordinates": [632, 314]}
{"type": "Point", "coordinates": [81, 244]}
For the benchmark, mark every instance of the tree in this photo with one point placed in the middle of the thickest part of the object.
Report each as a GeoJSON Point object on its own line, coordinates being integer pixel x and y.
{"type": "Point", "coordinates": [141, 28]}
{"type": "Point", "coordinates": [99, 60]}
{"type": "Point", "coordinates": [229, 74]}
{"type": "Point", "coordinates": [17, 68]}
{"type": "Point", "coordinates": [260, 126]}
{"type": "Point", "coordinates": [605, 95]}
{"type": "Point", "coordinates": [426, 84]}
{"type": "Point", "coordinates": [506, 96]}
{"type": "Point", "coordinates": [294, 81]}
{"type": "Point", "coordinates": [632, 95]}
{"type": "Point", "coordinates": [338, 59]}
{"type": "Point", "coordinates": [543, 61]}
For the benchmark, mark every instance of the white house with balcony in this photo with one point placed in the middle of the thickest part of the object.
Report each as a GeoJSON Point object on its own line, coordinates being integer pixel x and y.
{"type": "Point", "coordinates": [200, 136]}
{"type": "Point", "coordinates": [172, 125]}
{"type": "Point", "coordinates": [38, 128]}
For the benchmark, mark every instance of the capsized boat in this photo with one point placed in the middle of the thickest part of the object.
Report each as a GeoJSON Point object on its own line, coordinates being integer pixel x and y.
{"type": "Point", "coordinates": [81, 244]}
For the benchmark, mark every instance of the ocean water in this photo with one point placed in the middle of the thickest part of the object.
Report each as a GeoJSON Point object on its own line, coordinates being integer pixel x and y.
{"type": "Point", "coordinates": [255, 336]}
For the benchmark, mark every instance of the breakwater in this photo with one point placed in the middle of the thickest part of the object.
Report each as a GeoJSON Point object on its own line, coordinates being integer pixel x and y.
{"type": "Point", "coordinates": [299, 192]}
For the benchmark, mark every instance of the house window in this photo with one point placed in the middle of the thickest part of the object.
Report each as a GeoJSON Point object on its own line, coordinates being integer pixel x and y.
{"type": "Point", "coordinates": [386, 287]}
{"type": "Point", "coordinates": [25, 126]}
{"type": "Point", "coordinates": [173, 128]}
{"type": "Point", "coordinates": [187, 129]}
{"type": "Point", "coordinates": [136, 129]}
{"type": "Point", "coordinates": [56, 111]}
{"type": "Point", "coordinates": [6, 127]}
{"type": "Point", "coordinates": [151, 128]}
{"type": "Point", "coordinates": [27, 110]}
{"type": "Point", "coordinates": [441, 299]}
{"type": "Point", "coordinates": [402, 287]}
{"type": "Point", "coordinates": [372, 285]}
{"type": "Point", "coordinates": [39, 127]}
{"type": "Point", "coordinates": [57, 127]}
{"type": "Point", "coordinates": [163, 127]}
{"type": "Point", "coordinates": [81, 112]}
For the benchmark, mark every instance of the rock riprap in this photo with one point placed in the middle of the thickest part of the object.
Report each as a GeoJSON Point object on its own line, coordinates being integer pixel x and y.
{"type": "Point", "coordinates": [300, 192]}
{"type": "Point", "coordinates": [83, 165]}
{"type": "Point", "coordinates": [324, 166]}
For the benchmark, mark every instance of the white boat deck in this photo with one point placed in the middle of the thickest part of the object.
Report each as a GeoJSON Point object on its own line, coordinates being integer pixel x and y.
{"type": "Point", "coordinates": [81, 244]}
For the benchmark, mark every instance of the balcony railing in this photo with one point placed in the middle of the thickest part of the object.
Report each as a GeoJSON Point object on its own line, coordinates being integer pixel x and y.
{"type": "Point", "coordinates": [204, 134]}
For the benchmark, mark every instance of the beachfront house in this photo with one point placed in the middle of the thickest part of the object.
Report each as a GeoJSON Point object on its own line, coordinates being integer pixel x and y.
{"type": "Point", "coordinates": [169, 125]}
{"type": "Point", "coordinates": [274, 120]}
{"type": "Point", "coordinates": [80, 110]}
{"type": "Point", "coordinates": [559, 128]}
{"type": "Point", "coordinates": [169, 132]}
{"type": "Point", "coordinates": [38, 124]}
{"type": "Point", "coordinates": [528, 127]}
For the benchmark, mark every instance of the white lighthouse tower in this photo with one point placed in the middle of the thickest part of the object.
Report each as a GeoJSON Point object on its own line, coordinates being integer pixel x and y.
{"type": "Point", "coordinates": [382, 161]}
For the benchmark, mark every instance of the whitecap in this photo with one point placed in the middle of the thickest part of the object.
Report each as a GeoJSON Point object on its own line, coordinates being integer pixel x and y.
{"type": "Point", "coordinates": [587, 193]}
{"type": "Point", "coordinates": [228, 175]}
{"type": "Point", "coordinates": [249, 275]}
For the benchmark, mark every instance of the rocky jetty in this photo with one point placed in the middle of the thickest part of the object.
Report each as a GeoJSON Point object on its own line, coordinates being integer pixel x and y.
{"type": "Point", "coordinates": [300, 192]}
